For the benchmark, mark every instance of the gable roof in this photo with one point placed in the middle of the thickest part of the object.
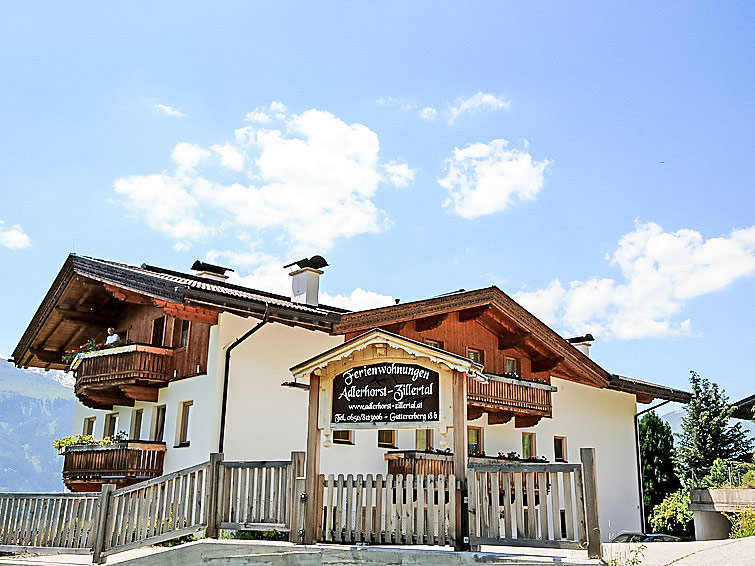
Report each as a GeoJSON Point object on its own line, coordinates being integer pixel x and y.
{"type": "Point", "coordinates": [537, 332]}
{"type": "Point", "coordinates": [172, 287]}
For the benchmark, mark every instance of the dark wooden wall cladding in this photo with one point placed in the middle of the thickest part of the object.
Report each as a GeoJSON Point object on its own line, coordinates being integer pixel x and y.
{"type": "Point", "coordinates": [458, 331]}
{"type": "Point", "coordinates": [138, 322]}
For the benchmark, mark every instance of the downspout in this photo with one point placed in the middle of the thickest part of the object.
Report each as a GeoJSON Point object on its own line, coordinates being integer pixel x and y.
{"type": "Point", "coordinates": [226, 372]}
{"type": "Point", "coordinates": [639, 459]}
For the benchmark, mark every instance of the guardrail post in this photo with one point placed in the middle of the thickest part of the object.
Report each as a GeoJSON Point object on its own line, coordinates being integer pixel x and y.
{"type": "Point", "coordinates": [295, 470]}
{"type": "Point", "coordinates": [594, 545]}
{"type": "Point", "coordinates": [213, 494]}
{"type": "Point", "coordinates": [103, 507]}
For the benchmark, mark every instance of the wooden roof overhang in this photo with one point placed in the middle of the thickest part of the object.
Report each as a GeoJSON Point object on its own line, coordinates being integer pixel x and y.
{"type": "Point", "coordinates": [88, 294]}
{"type": "Point", "coordinates": [647, 392]}
{"type": "Point", "coordinates": [745, 408]}
{"type": "Point", "coordinates": [390, 340]}
{"type": "Point", "coordinates": [493, 309]}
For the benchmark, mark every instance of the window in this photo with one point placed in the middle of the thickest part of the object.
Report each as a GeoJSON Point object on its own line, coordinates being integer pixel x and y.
{"type": "Point", "coordinates": [474, 440]}
{"type": "Point", "coordinates": [183, 423]}
{"type": "Point", "coordinates": [476, 355]}
{"type": "Point", "coordinates": [423, 439]}
{"type": "Point", "coordinates": [343, 437]}
{"type": "Point", "coordinates": [184, 333]}
{"type": "Point", "coordinates": [528, 445]}
{"type": "Point", "coordinates": [387, 439]}
{"type": "Point", "coordinates": [559, 448]}
{"type": "Point", "coordinates": [158, 423]}
{"type": "Point", "coordinates": [434, 343]}
{"type": "Point", "coordinates": [136, 424]}
{"type": "Point", "coordinates": [88, 428]}
{"type": "Point", "coordinates": [111, 424]}
{"type": "Point", "coordinates": [158, 329]}
{"type": "Point", "coordinates": [512, 365]}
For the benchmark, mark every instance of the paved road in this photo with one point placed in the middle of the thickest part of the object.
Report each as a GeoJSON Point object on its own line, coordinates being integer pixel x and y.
{"type": "Point", "coordinates": [737, 552]}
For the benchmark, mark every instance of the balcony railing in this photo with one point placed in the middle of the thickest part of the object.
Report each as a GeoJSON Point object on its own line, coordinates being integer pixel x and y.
{"type": "Point", "coordinates": [128, 373]}
{"type": "Point", "coordinates": [507, 394]}
{"type": "Point", "coordinates": [87, 467]}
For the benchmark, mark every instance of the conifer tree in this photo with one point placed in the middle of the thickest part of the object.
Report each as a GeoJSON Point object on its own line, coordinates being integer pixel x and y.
{"type": "Point", "coordinates": [707, 434]}
{"type": "Point", "coordinates": [657, 455]}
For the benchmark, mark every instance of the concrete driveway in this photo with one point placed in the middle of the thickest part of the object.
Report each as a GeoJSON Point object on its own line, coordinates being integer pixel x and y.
{"type": "Point", "coordinates": [736, 552]}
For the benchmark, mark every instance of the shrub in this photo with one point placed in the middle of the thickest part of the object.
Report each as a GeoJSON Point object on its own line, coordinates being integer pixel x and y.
{"type": "Point", "coordinates": [742, 523]}
{"type": "Point", "coordinates": [727, 473]}
{"type": "Point", "coordinates": [673, 515]}
{"type": "Point", "coordinates": [748, 479]}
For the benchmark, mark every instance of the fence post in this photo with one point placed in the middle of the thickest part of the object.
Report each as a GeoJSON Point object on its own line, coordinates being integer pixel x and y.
{"type": "Point", "coordinates": [103, 509]}
{"type": "Point", "coordinates": [295, 470]}
{"type": "Point", "coordinates": [213, 494]}
{"type": "Point", "coordinates": [594, 545]}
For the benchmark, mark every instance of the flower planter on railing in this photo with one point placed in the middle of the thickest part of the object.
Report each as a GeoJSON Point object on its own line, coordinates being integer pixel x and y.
{"type": "Point", "coordinates": [88, 466]}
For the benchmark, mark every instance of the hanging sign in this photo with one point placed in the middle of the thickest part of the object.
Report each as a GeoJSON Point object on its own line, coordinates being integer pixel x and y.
{"type": "Point", "coordinates": [385, 393]}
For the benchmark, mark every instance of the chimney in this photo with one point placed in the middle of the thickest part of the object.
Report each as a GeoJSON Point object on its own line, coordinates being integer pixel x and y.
{"type": "Point", "coordinates": [582, 343]}
{"type": "Point", "coordinates": [210, 271]}
{"type": "Point", "coordinates": [305, 282]}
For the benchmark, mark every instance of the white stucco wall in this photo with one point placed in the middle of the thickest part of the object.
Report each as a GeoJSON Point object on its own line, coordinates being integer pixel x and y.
{"type": "Point", "coordinates": [264, 420]}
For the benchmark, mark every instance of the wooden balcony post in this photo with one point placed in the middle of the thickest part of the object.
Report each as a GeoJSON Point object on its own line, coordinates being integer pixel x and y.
{"type": "Point", "coordinates": [213, 495]}
{"type": "Point", "coordinates": [99, 527]}
{"type": "Point", "coordinates": [592, 518]}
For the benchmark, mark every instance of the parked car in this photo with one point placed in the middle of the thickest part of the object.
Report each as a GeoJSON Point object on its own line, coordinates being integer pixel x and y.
{"type": "Point", "coordinates": [642, 537]}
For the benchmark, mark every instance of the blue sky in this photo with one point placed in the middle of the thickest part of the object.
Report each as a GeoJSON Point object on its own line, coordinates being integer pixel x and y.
{"type": "Point", "coordinates": [594, 161]}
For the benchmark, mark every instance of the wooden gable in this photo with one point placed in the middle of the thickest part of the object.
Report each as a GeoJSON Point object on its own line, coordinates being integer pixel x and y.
{"type": "Point", "coordinates": [487, 321]}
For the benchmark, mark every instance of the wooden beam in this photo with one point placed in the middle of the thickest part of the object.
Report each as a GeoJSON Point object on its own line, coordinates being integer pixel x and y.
{"type": "Point", "coordinates": [313, 489]}
{"type": "Point", "coordinates": [127, 296]}
{"type": "Point", "coordinates": [461, 449]}
{"type": "Point", "coordinates": [526, 421]}
{"type": "Point", "coordinates": [47, 356]}
{"type": "Point", "coordinates": [430, 322]}
{"type": "Point", "coordinates": [474, 412]}
{"type": "Point", "coordinates": [546, 364]}
{"type": "Point", "coordinates": [473, 313]}
{"type": "Point", "coordinates": [499, 417]}
{"type": "Point", "coordinates": [187, 312]}
{"type": "Point", "coordinates": [512, 340]}
{"type": "Point", "coordinates": [140, 392]}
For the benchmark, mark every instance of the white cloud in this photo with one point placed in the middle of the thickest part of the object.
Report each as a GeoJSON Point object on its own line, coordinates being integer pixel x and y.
{"type": "Point", "coordinates": [428, 113]}
{"type": "Point", "coordinates": [257, 116]}
{"type": "Point", "coordinates": [357, 300]}
{"type": "Point", "coordinates": [486, 178]}
{"type": "Point", "coordinates": [399, 173]}
{"type": "Point", "coordinates": [168, 111]}
{"type": "Point", "coordinates": [229, 156]}
{"type": "Point", "coordinates": [660, 271]}
{"type": "Point", "coordinates": [188, 155]}
{"type": "Point", "coordinates": [479, 101]}
{"type": "Point", "coordinates": [14, 237]}
{"type": "Point", "coordinates": [313, 180]}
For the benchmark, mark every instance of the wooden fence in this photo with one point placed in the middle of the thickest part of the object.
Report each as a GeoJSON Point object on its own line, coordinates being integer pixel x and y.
{"type": "Point", "coordinates": [389, 510]}
{"type": "Point", "coordinates": [255, 495]}
{"type": "Point", "coordinates": [52, 522]}
{"type": "Point", "coordinates": [167, 507]}
{"type": "Point", "coordinates": [540, 505]}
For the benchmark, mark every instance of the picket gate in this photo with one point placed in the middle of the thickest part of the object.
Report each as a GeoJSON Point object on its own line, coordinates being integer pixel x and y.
{"type": "Point", "coordinates": [391, 509]}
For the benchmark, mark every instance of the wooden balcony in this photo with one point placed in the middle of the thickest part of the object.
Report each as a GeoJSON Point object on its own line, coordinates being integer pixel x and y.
{"type": "Point", "coordinates": [122, 375]}
{"type": "Point", "coordinates": [504, 397]}
{"type": "Point", "coordinates": [87, 467]}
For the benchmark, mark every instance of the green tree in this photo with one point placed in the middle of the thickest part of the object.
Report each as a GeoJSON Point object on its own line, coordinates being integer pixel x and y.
{"type": "Point", "coordinates": [707, 434]}
{"type": "Point", "coordinates": [657, 455]}
{"type": "Point", "coordinates": [673, 516]}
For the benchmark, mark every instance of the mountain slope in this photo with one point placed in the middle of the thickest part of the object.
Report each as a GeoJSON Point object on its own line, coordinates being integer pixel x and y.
{"type": "Point", "coordinates": [35, 409]}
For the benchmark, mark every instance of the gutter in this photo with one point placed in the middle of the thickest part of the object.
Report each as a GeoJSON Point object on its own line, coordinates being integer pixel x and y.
{"type": "Point", "coordinates": [226, 373]}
